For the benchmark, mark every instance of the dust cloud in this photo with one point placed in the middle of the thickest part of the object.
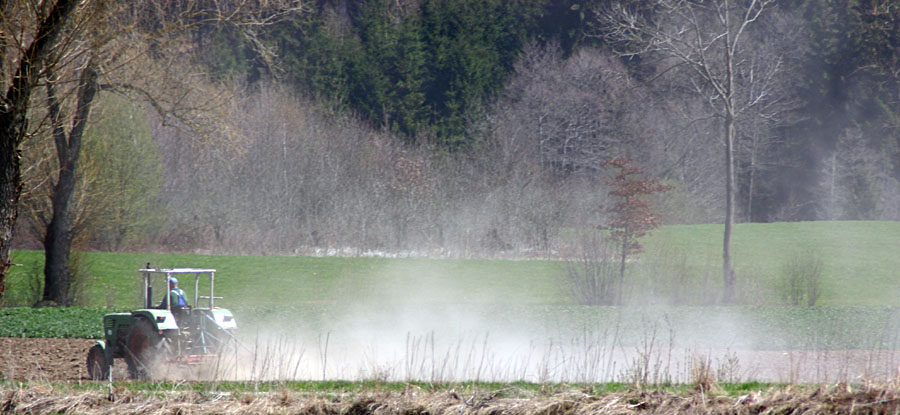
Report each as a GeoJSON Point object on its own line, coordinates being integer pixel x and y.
{"type": "Point", "coordinates": [426, 332]}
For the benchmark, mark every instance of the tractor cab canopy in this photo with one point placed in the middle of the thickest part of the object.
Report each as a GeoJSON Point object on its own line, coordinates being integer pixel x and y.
{"type": "Point", "coordinates": [198, 285]}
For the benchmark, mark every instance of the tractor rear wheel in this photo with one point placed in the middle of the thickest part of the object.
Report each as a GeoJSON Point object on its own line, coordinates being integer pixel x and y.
{"type": "Point", "coordinates": [141, 349]}
{"type": "Point", "coordinates": [97, 366]}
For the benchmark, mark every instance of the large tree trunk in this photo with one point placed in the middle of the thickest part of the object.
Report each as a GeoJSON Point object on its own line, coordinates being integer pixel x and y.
{"type": "Point", "coordinates": [13, 123]}
{"type": "Point", "coordinates": [58, 243]}
{"type": "Point", "coordinates": [10, 188]}
{"type": "Point", "coordinates": [58, 240]}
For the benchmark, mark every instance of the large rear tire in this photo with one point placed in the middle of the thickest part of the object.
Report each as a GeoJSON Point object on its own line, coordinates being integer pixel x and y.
{"type": "Point", "coordinates": [141, 349]}
{"type": "Point", "coordinates": [97, 366]}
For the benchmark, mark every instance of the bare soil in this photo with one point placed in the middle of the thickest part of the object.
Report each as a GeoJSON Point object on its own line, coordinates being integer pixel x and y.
{"type": "Point", "coordinates": [43, 359]}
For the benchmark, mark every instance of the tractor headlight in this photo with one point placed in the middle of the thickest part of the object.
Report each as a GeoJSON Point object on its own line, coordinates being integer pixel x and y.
{"type": "Point", "coordinates": [160, 319]}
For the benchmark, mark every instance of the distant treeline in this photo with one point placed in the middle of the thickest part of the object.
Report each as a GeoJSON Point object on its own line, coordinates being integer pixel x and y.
{"type": "Point", "coordinates": [470, 127]}
{"type": "Point", "coordinates": [429, 70]}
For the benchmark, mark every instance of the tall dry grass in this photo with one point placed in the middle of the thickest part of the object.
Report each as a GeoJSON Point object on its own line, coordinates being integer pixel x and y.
{"type": "Point", "coordinates": [840, 398]}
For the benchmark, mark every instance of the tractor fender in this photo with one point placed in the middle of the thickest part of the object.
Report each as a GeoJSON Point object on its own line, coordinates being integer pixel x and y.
{"type": "Point", "coordinates": [160, 319]}
{"type": "Point", "coordinates": [223, 318]}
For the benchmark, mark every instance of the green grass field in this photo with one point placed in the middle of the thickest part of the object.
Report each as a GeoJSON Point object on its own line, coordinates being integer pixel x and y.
{"type": "Point", "coordinates": [861, 267]}
{"type": "Point", "coordinates": [861, 259]}
{"type": "Point", "coordinates": [255, 280]}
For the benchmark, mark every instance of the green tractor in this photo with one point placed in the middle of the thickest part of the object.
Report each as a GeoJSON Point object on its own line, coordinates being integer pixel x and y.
{"type": "Point", "coordinates": [174, 331]}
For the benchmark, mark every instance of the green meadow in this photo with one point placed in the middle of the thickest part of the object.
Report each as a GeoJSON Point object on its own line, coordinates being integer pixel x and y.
{"type": "Point", "coordinates": [861, 267]}
{"type": "Point", "coordinates": [861, 259]}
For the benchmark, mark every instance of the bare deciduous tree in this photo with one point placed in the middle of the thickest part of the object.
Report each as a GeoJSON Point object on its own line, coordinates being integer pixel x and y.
{"type": "Point", "coordinates": [95, 60]}
{"type": "Point", "coordinates": [30, 42]}
{"type": "Point", "coordinates": [570, 113]}
{"type": "Point", "coordinates": [709, 39]}
{"type": "Point", "coordinates": [82, 48]}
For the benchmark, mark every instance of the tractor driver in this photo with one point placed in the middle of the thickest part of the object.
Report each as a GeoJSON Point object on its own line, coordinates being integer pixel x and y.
{"type": "Point", "coordinates": [176, 295]}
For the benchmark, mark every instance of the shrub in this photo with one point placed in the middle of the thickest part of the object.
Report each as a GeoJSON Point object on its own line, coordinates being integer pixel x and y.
{"type": "Point", "coordinates": [703, 376]}
{"type": "Point", "coordinates": [593, 278]}
{"type": "Point", "coordinates": [800, 281]}
{"type": "Point", "coordinates": [27, 290]}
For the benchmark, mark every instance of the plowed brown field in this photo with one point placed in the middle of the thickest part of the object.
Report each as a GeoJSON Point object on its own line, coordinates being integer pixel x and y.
{"type": "Point", "coordinates": [43, 359]}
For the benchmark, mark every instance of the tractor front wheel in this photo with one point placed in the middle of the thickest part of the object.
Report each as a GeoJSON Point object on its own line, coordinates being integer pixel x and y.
{"type": "Point", "coordinates": [97, 366]}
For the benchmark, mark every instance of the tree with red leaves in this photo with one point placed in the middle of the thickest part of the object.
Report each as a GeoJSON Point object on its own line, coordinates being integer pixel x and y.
{"type": "Point", "coordinates": [632, 216]}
